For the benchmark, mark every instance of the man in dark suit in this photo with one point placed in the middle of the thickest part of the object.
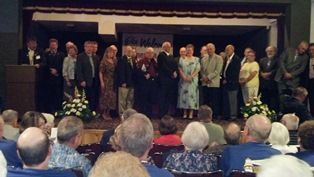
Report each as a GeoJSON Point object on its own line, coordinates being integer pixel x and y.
{"type": "Point", "coordinates": [294, 104]}
{"type": "Point", "coordinates": [268, 67]}
{"type": "Point", "coordinates": [87, 69]}
{"type": "Point", "coordinates": [125, 73]}
{"type": "Point", "coordinates": [53, 62]}
{"type": "Point", "coordinates": [168, 73]}
{"type": "Point", "coordinates": [230, 76]}
{"type": "Point", "coordinates": [291, 65]}
{"type": "Point", "coordinates": [32, 55]}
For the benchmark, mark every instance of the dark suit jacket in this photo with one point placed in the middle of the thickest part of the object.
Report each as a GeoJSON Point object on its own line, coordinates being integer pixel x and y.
{"type": "Point", "coordinates": [55, 62]}
{"type": "Point", "coordinates": [166, 66]}
{"type": "Point", "coordinates": [8, 148]}
{"type": "Point", "coordinates": [292, 105]}
{"type": "Point", "coordinates": [270, 84]}
{"type": "Point", "coordinates": [294, 67]}
{"type": "Point", "coordinates": [23, 56]}
{"type": "Point", "coordinates": [84, 70]}
{"type": "Point", "coordinates": [125, 72]}
{"type": "Point", "coordinates": [232, 73]}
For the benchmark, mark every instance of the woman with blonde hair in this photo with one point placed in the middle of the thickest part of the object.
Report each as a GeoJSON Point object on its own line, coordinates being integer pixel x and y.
{"type": "Point", "coordinates": [107, 101]}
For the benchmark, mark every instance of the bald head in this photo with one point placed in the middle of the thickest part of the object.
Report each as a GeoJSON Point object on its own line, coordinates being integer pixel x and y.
{"type": "Point", "coordinates": [291, 121]}
{"type": "Point", "coordinates": [229, 50]}
{"type": "Point", "coordinates": [149, 53]}
{"type": "Point", "coordinates": [232, 133]}
{"type": "Point", "coordinates": [33, 147]}
{"type": "Point", "coordinates": [257, 128]}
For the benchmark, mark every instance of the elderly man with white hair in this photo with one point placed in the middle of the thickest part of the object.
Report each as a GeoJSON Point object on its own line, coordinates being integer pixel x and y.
{"type": "Point", "coordinates": [194, 138]}
{"type": "Point", "coordinates": [283, 165]}
{"type": "Point", "coordinates": [10, 130]}
{"type": "Point", "coordinates": [291, 121]}
{"type": "Point", "coordinates": [147, 78]}
{"type": "Point", "coordinates": [256, 131]}
{"type": "Point", "coordinates": [136, 137]}
{"type": "Point", "coordinates": [279, 138]}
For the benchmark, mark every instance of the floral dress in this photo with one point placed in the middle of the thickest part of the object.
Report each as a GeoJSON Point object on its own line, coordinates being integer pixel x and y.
{"type": "Point", "coordinates": [191, 161]}
{"type": "Point", "coordinates": [107, 99]}
{"type": "Point", "coordinates": [188, 97]}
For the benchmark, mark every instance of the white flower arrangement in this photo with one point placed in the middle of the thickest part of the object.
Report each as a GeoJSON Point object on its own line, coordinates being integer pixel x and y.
{"type": "Point", "coordinates": [77, 107]}
{"type": "Point", "coordinates": [256, 106]}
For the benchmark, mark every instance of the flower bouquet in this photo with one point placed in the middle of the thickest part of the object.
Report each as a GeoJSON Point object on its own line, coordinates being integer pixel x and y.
{"type": "Point", "coordinates": [255, 106]}
{"type": "Point", "coordinates": [77, 106]}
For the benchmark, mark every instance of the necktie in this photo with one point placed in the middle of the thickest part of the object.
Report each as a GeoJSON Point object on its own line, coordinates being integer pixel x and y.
{"type": "Point", "coordinates": [92, 65]}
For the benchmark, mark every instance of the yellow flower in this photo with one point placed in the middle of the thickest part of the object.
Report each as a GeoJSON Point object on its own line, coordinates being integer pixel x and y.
{"type": "Point", "coordinates": [78, 113]}
{"type": "Point", "coordinates": [94, 113]}
{"type": "Point", "coordinates": [73, 105]}
{"type": "Point", "coordinates": [84, 107]}
{"type": "Point", "coordinates": [86, 102]}
{"type": "Point", "coordinates": [80, 104]}
{"type": "Point", "coordinates": [245, 115]}
{"type": "Point", "coordinates": [67, 113]}
{"type": "Point", "coordinates": [80, 109]}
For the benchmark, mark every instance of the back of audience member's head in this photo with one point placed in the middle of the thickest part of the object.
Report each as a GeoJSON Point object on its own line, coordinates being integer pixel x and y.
{"type": "Point", "coordinates": [232, 134]}
{"type": "Point", "coordinates": [205, 113]}
{"type": "Point", "coordinates": [279, 134]}
{"type": "Point", "coordinates": [127, 113]}
{"type": "Point", "coordinates": [300, 93]}
{"type": "Point", "coordinates": [291, 121]}
{"type": "Point", "coordinates": [10, 117]}
{"type": "Point", "coordinates": [34, 148]}
{"type": "Point", "coordinates": [32, 119]}
{"type": "Point", "coordinates": [1, 127]}
{"type": "Point", "coordinates": [69, 131]}
{"type": "Point", "coordinates": [195, 136]}
{"type": "Point", "coordinates": [306, 135]}
{"type": "Point", "coordinates": [257, 128]}
{"type": "Point", "coordinates": [118, 164]}
{"type": "Point", "coordinates": [136, 135]}
{"type": "Point", "coordinates": [286, 166]}
{"type": "Point", "coordinates": [167, 125]}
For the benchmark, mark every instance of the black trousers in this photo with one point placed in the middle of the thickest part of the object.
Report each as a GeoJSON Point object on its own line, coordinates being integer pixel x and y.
{"type": "Point", "coordinates": [211, 98]}
{"type": "Point", "coordinates": [270, 97]}
{"type": "Point", "coordinates": [167, 96]}
{"type": "Point", "coordinates": [92, 94]}
{"type": "Point", "coordinates": [54, 97]}
{"type": "Point", "coordinates": [147, 96]}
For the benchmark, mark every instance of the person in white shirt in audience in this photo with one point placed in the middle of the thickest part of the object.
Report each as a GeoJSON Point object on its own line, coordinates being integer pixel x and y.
{"type": "Point", "coordinates": [10, 130]}
{"type": "Point", "coordinates": [291, 121]}
{"type": "Point", "coordinates": [286, 166]}
{"type": "Point", "coordinates": [279, 138]}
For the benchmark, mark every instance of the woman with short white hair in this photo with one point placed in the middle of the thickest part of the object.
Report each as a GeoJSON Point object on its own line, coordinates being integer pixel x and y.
{"type": "Point", "coordinates": [279, 138]}
{"type": "Point", "coordinates": [195, 138]}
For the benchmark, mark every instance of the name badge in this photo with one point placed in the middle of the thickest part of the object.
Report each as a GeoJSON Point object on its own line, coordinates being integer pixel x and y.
{"type": "Point", "coordinates": [37, 57]}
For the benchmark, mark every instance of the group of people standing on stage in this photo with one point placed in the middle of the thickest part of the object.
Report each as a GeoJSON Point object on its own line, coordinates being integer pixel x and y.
{"type": "Point", "coordinates": [183, 82]}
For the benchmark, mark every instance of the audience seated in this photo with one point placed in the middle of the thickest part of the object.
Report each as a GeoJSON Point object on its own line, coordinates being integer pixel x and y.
{"type": "Point", "coordinates": [195, 138]}
{"type": "Point", "coordinates": [3, 165]}
{"type": "Point", "coordinates": [306, 136]}
{"type": "Point", "coordinates": [232, 134]}
{"type": "Point", "coordinates": [168, 129]}
{"type": "Point", "coordinates": [33, 119]}
{"type": "Point", "coordinates": [69, 137]}
{"type": "Point", "coordinates": [286, 166]}
{"type": "Point", "coordinates": [10, 118]}
{"type": "Point", "coordinates": [35, 151]}
{"type": "Point", "coordinates": [118, 164]}
{"type": "Point", "coordinates": [8, 148]}
{"type": "Point", "coordinates": [291, 121]}
{"type": "Point", "coordinates": [205, 114]}
{"type": "Point", "coordinates": [136, 137]}
{"type": "Point", "coordinates": [279, 138]}
{"type": "Point", "coordinates": [256, 132]}
{"type": "Point", "coordinates": [109, 133]}
{"type": "Point", "coordinates": [294, 104]}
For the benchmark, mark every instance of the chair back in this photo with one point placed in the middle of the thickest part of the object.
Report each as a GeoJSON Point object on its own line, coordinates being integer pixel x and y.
{"type": "Point", "coordinates": [218, 173]}
{"type": "Point", "coordinates": [160, 152]}
{"type": "Point", "coordinates": [237, 173]}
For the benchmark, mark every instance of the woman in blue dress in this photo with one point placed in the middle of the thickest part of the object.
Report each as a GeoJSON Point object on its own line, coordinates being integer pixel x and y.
{"type": "Point", "coordinates": [189, 68]}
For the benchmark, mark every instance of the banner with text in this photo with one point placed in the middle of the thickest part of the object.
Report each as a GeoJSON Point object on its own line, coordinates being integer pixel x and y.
{"type": "Point", "coordinates": [142, 41]}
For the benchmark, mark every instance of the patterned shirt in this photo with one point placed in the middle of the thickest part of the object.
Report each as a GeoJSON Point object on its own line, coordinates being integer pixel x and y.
{"type": "Point", "coordinates": [191, 161]}
{"type": "Point", "coordinates": [66, 157]}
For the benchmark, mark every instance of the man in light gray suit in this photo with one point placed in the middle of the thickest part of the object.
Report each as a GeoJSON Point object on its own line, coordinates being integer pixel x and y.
{"type": "Point", "coordinates": [211, 67]}
{"type": "Point", "coordinates": [292, 63]}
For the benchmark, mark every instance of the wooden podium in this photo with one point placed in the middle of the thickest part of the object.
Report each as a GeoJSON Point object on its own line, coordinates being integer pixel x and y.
{"type": "Point", "coordinates": [21, 88]}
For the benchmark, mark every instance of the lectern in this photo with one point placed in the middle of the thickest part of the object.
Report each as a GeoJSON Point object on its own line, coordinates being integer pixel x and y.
{"type": "Point", "coordinates": [21, 88]}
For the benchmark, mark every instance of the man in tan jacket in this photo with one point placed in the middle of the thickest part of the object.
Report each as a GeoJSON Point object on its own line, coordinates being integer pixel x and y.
{"type": "Point", "coordinates": [211, 67]}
